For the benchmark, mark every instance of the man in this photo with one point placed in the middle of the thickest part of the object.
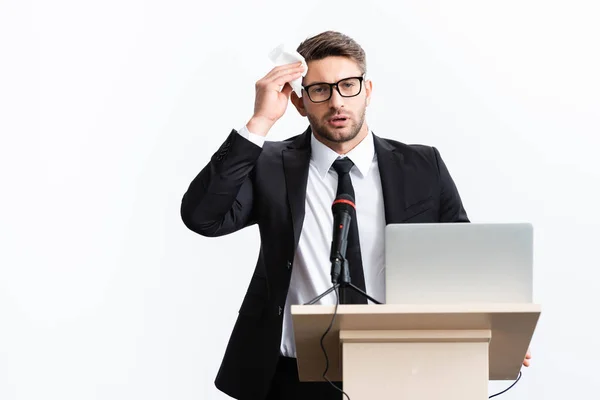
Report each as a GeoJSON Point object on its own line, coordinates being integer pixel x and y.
{"type": "Point", "coordinates": [287, 188]}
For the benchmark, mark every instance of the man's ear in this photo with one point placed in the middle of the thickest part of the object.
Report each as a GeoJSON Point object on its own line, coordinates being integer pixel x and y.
{"type": "Point", "coordinates": [369, 90]}
{"type": "Point", "coordinates": [298, 103]}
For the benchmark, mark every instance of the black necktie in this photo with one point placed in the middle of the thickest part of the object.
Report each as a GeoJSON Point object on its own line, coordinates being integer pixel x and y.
{"type": "Point", "coordinates": [343, 166]}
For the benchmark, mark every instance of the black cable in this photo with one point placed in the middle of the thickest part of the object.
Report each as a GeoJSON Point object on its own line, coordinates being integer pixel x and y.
{"type": "Point", "coordinates": [507, 389]}
{"type": "Point", "coordinates": [337, 301]}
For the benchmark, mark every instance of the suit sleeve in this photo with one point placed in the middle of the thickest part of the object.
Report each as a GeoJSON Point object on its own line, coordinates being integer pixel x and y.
{"type": "Point", "coordinates": [451, 207]}
{"type": "Point", "coordinates": [220, 199]}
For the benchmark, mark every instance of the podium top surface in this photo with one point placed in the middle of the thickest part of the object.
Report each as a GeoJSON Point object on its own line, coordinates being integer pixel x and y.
{"type": "Point", "coordinates": [381, 309]}
{"type": "Point", "coordinates": [511, 325]}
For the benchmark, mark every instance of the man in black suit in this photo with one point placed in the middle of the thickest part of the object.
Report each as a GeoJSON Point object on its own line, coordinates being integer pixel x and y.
{"type": "Point", "coordinates": [287, 188]}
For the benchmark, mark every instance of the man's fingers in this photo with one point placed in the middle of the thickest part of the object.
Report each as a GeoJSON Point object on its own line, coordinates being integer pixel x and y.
{"type": "Point", "coordinates": [526, 361]}
{"type": "Point", "coordinates": [282, 77]}
{"type": "Point", "coordinates": [287, 78]}
{"type": "Point", "coordinates": [285, 73]}
{"type": "Point", "coordinates": [277, 70]}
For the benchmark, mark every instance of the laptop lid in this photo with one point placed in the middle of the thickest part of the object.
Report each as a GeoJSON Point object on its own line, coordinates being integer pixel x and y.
{"type": "Point", "coordinates": [443, 263]}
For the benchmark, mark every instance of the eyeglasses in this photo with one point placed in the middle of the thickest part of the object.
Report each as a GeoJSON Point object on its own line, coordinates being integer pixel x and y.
{"type": "Point", "coordinates": [348, 87]}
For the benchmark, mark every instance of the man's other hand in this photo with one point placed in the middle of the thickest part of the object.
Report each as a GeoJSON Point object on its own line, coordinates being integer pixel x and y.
{"type": "Point", "coordinates": [526, 362]}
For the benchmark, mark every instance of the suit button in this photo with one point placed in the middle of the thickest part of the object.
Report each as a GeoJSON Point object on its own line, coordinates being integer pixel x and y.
{"type": "Point", "coordinates": [289, 264]}
{"type": "Point", "coordinates": [280, 310]}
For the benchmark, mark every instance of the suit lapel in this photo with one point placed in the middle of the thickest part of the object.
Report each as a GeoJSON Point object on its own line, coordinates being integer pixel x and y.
{"type": "Point", "coordinates": [392, 180]}
{"type": "Point", "coordinates": [296, 159]}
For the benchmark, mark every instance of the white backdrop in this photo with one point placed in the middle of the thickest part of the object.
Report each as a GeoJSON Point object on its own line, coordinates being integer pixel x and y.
{"type": "Point", "coordinates": [109, 109]}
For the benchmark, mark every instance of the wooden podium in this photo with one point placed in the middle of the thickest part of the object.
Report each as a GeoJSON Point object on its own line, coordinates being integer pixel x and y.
{"type": "Point", "coordinates": [414, 352]}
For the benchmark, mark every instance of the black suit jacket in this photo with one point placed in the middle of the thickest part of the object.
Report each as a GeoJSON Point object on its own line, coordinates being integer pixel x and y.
{"type": "Point", "coordinates": [244, 185]}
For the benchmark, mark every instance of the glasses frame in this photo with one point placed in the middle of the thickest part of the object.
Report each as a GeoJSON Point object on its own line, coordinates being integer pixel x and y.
{"type": "Point", "coordinates": [332, 85]}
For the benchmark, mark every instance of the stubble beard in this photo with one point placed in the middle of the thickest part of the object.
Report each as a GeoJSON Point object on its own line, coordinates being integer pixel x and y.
{"type": "Point", "coordinates": [337, 135]}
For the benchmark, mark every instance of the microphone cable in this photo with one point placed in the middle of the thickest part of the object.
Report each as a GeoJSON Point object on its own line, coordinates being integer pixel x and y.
{"type": "Point", "coordinates": [337, 301]}
{"type": "Point", "coordinates": [507, 389]}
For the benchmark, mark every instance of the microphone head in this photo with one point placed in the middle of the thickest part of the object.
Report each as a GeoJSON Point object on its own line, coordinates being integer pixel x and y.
{"type": "Point", "coordinates": [343, 201]}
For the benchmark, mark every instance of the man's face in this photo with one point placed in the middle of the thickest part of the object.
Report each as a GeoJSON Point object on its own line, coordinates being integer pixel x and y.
{"type": "Point", "coordinates": [325, 117]}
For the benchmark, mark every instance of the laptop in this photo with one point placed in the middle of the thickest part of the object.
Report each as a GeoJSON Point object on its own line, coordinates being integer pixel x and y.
{"type": "Point", "coordinates": [452, 263]}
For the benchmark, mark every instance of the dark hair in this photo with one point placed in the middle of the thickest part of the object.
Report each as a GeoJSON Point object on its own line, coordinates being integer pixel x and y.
{"type": "Point", "coordinates": [332, 43]}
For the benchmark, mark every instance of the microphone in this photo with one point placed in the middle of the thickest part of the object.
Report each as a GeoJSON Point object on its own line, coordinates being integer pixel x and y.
{"type": "Point", "coordinates": [342, 208]}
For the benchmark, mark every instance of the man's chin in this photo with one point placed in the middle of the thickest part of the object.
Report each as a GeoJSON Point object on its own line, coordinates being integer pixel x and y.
{"type": "Point", "coordinates": [338, 135]}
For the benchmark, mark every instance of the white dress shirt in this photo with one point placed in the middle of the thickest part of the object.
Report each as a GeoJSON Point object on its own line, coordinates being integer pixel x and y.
{"type": "Point", "coordinates": [311, 271]}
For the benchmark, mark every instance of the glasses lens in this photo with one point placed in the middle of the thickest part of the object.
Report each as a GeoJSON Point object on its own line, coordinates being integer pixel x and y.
{"type": "Point", "coordinates": [349, 87]}
{"type": "Point", "coordinates": [319, 92]}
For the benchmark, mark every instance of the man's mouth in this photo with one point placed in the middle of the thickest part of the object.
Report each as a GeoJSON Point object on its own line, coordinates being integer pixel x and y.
{"type": "Point", "coordinates": [338, 117]}
{"type": "Point", "coordinates": [338, 120]}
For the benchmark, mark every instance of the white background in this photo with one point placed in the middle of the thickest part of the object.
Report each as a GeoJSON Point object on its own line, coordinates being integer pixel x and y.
{"type": "Point", "coordinates": [109, 109]}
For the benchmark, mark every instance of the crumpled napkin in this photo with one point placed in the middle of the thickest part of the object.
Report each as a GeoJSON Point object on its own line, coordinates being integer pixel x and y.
{"type": "Point", "coordinates": [285, 54]}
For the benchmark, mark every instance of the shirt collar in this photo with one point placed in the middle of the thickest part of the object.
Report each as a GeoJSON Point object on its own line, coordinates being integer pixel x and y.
{"type": "Point", "coordinates": [361, 155]}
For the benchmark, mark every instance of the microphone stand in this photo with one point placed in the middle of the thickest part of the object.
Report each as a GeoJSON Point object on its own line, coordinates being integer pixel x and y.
{"type": "Point", "coordinates": [342, 281]}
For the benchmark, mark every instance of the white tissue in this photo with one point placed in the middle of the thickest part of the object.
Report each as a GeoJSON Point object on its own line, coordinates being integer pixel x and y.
{"type": "Point", "coordinates": [284, 54]}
